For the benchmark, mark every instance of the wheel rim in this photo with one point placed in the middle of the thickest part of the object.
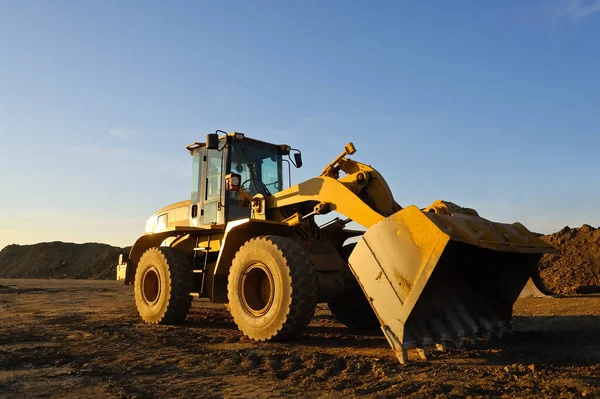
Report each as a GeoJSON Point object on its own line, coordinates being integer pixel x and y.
{"type": "Point", "coordinates": [151, 286]}
{"type": "Point", "coordinates": [257, 289]}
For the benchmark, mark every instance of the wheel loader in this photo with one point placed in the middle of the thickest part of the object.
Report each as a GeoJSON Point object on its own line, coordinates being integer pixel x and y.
{"type": "Point", "coordinates": [429, 278]}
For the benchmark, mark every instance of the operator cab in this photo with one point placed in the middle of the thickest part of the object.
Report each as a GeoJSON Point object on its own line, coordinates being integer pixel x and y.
{"type": "Point", "coordinates": [258, 164]}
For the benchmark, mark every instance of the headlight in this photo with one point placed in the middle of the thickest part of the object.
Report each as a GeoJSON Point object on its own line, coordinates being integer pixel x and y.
{"type": "Point", "coordinates": [285, 149]}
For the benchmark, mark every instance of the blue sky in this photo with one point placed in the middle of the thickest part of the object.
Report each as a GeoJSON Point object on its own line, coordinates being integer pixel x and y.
{"type": "Point", "coordinates": [490, 104]}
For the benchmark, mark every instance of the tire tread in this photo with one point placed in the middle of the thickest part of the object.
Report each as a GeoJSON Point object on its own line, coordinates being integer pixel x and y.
{"type": "Point", "coordinates": [303, 284]}
{"type": "Point", "coordinates": [179, 270]}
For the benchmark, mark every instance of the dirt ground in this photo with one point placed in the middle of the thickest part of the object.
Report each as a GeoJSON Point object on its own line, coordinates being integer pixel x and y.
{"type": "Point", "coordinates": [82, 338]}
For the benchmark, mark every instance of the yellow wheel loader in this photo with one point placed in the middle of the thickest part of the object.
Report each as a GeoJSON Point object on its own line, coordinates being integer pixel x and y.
{"type": "Point", "coordinates": [428, 277]}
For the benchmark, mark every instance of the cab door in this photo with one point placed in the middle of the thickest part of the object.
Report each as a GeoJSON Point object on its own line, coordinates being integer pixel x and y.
{"type": "Point", "coordinates": [207, 187]}
{"type": "Point", "coordinates": [208, 178]}
{"type": "Point", "coordinates": [196, 192]}
{"type": "Point", "coordinates": [214, 176]}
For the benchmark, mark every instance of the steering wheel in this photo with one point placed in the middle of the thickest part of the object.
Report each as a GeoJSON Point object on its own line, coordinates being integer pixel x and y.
{"type": "Point", "coordinates": [244, 183]}
{"type": "Point", "coordinates": [275, 184]}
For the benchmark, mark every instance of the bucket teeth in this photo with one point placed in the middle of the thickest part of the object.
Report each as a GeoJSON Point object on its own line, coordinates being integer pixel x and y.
{"type": "Point", "coordinates": [464, 314]}
{"type": "Point", "coordinates": [440, 330]}
{"type": "Point", "coordinates": [439, 334]}
{"type": "Point", "coordinates": [447, 322]}
{"type": "Point", "coordinates": [485, 324]}
{"type": "Point", "coordinates": [497, 324]}
{"type": "Point", "coordinates": [451, 317]}
{"type": "Point", "coordinates": [402, 355]}
{"type": "Point", "coordinates": [504, 327]}
{"type": "Point", "coordinates": [423, 353]}
{"type": "Point", "coordinates": [409, 340]}
{"type": "Point", "coordinates": [422, 333]}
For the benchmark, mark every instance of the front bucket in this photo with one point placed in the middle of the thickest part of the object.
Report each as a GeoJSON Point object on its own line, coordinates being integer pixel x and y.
{"type": "Point", "coordinates": [435, 279]}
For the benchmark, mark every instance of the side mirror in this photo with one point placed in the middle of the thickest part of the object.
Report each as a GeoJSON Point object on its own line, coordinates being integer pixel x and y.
{"type": "Point", "coordinates": [212, 141]}
{"type": "Point", "coordinates": [298, 159]}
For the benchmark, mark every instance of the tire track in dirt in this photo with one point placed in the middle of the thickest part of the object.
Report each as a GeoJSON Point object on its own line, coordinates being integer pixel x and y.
{"type": "Point", "coordinates": [86, 340]}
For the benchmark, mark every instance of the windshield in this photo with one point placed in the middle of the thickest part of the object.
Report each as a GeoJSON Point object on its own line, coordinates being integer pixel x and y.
{"type": "Point", "coordinates": [259, 165]}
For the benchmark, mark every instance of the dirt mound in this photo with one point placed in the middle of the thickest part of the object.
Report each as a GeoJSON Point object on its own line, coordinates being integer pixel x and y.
{"type": "Point", "coordinates": [576, 269]}
{"type": "Point", "coordinates": [60, 260]}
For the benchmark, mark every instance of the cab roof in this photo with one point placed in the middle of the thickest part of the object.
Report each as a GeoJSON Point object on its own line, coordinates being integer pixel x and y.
{"type": "Point", "coordinates": [237, 136]}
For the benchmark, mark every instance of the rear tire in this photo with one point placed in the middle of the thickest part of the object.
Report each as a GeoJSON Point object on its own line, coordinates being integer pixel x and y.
{"type": "Point", "coordinates": [353, 309]}
{"type": "Point", "coordinates": [162, 286]}
{"type": "Point", "coordinates": [272, 288]}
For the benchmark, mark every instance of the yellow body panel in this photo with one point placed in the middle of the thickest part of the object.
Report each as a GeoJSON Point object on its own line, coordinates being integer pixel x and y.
{"type": "Point", "coordinates": [328, 190]}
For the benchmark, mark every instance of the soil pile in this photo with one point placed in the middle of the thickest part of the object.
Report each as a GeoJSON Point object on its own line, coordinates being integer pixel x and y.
{"type": "Point", "coordinates": [60, 260]}
{"type": "Point", "coordinates": [576, 269]}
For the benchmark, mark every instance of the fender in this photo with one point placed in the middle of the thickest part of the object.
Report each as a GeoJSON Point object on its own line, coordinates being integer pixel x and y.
{"type": "Point", "coordinates": [236, 234]}
{"type": "Point", "coordinates": [153, 240]}
{"type": "Point", "coordinates": [240, 231]}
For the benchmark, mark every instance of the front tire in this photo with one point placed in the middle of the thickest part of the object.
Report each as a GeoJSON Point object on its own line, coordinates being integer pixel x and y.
{"type": "Point", "coordinates": [272, 288]}
{"type": "Point", "coordinates": [162, 286]}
